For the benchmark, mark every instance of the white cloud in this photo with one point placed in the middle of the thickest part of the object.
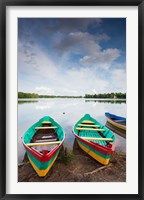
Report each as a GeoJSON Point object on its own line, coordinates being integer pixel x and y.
{"type": "Point", "coordinates": [88, 45]}
{"type": "Point", "coordinates": [118, 79]}
{"type": "Point", "coordinates": [33, 61]}
{"type": "Point", "coordinates": [101, 59]}
{"type": "Point", "coordinates": [50, 76]}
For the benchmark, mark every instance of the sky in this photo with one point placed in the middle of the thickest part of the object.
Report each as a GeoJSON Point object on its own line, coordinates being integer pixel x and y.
{"type": "Point", "coordinates": [71, 56]}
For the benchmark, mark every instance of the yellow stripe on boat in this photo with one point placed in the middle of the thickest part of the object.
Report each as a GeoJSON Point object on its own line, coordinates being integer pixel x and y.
{"type": "Point", "coordinates": [100, 159]}
{"type": "Point", "coordinates": [44, 171]}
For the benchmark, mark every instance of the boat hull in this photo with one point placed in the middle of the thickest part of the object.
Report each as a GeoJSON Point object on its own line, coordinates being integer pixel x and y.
{"type": "Point", "coordinates": [42, 168]}
{"type": "Point", "coordinates": [102, 158]}
{"type": "Point", "coordinates": [111, 121]}
{"type": "Point", "coordinates": [116, 124]}
{"type": "Point", "coordinates": [97, 149]}
{"type": "Point", "coordinates": [42, 155]}
{"type": "Point", "coordinates": [42, 163]}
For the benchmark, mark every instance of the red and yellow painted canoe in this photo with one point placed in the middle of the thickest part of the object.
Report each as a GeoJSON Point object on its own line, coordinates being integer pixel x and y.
{"type": "Point", "coordinates": [43, 142]}
{"type": "Point", "coordinates": [95, 139]}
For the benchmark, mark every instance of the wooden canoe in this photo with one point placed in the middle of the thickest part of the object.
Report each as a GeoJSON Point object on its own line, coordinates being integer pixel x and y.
{"type": "Point", "coordinates": [95, 139]}
{"type": "Point", "coordinates": [117, 121]}
{"type": "Point", "coordinates": [42, 142]}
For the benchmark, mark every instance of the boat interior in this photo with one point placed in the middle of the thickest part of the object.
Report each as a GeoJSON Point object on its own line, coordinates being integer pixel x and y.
{"type": "Point", "coordinates": [45, 138]}
{"type": "Point", "coordinates": [45, 133]}
{"type": "Point", "coordinates": [88, 129]}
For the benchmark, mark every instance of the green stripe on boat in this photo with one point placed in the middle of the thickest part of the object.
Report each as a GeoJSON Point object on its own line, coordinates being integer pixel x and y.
{"type": "Point", "coordinates": [42, 165]}
{"type": "Point", "coordinates": [93, 150]}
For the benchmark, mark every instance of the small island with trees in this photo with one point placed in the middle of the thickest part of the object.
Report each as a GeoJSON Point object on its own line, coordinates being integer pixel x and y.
{"type": "Point", "coordinates": [107, 96]}
{"type": "Point", "coordinates": [23, 95]}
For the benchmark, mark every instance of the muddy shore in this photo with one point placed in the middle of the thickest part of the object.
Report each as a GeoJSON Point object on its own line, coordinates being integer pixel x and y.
{"type": "Point", "coordinates": [77, 166]}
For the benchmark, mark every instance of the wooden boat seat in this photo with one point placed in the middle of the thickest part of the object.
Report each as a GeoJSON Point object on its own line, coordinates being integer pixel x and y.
{"type": "Point", "coordinates": [88, 122]}
{"type": "Point", "coordinates": [89, 125]}
{"type": "Point", "coordinates": [100, 139]}
{"type": "Point", "coordinates": [46, 127]}
{"type": "Point", "coordinates": [46, 122]}
{"type": "Point", "coordinates": [43, 143]}
{"type": "Point", "coordinates": [91, 129]}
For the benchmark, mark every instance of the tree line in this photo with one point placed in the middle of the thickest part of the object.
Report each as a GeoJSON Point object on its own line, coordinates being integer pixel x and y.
{"type": "Point", "coordinates": [27, 95]}
{"type": "Point", "coordinates": [107, 95]}
{"type": "Point", "coordinates": [34, 95]}
{"type": "Point", "coordinates": [104, 95]}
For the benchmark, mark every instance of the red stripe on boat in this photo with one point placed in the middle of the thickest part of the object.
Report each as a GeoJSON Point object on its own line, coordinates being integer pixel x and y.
{"type": "Point", "coordinates": [42, 157]}
{"type": "Point", "coordinates": [103, 149]}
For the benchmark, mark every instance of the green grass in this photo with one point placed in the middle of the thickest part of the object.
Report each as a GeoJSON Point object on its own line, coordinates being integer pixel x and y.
{"type": "Point", "coordinates": [66, 156]}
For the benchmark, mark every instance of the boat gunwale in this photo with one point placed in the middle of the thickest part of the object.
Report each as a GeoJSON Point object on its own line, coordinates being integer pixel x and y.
{"type": "Point", "coordinates": [119, 125]}
{"type": "Point", "coordinates": [115, 121]}
{"type": "Point", "coordinates": [96, 146]}
{"type": "Point", "coordinates": [41, 157]}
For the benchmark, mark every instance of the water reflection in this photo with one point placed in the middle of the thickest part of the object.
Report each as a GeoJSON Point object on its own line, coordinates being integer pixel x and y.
{"type": "Point", "coordinates": [44, 105]}
{"type": "Point", "coordinates": [111, 101]}
{"type": "Point", "coordinates": [27, 101]}
{"type": "Point", "coordinates": [116, 129]}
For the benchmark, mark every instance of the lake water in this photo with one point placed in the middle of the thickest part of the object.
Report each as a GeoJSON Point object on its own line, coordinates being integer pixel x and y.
{"type": "Point", "coordinates": [66, 111]}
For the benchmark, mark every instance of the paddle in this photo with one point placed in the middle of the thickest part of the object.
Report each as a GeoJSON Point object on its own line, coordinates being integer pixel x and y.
{"type": "Point", "coordinates": [43, 143]}
{"type": "Point", "coordinates": [102, 139]}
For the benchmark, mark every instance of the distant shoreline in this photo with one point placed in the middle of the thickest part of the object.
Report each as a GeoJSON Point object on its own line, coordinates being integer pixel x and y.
{"type": "Point", "coordinates": [114, 96]}
{"type": "Point", "coordinates": [113, 99]}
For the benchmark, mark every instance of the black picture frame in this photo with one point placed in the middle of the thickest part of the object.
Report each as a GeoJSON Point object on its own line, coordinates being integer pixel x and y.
{"type": "Point", "coordinates": [3, 99]}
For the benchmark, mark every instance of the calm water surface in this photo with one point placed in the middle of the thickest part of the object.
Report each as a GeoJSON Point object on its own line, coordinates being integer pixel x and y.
{"type": "Point", "coordinates": [66, 112]}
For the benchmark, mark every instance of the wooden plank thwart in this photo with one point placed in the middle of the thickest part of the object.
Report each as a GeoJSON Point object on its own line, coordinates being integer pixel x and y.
{"type": "Point", "coordinates": [44, 127]}
{"type": "Point", "coordinates": [90, 129]}
{"type": "Point", "coordinates": [89, 125]}
{"type": "Point", "coordinates": [88, 121]}
{"type": "Point", "coordinates": [42, 143]}
{"type": "Point", "coordinates": [46, 122]}
{"type": "Point", "coordinates": [101, 139]}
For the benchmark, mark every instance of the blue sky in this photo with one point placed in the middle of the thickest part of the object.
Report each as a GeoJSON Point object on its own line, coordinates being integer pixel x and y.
{"type": "Point", "coordinates": [71, 56]}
